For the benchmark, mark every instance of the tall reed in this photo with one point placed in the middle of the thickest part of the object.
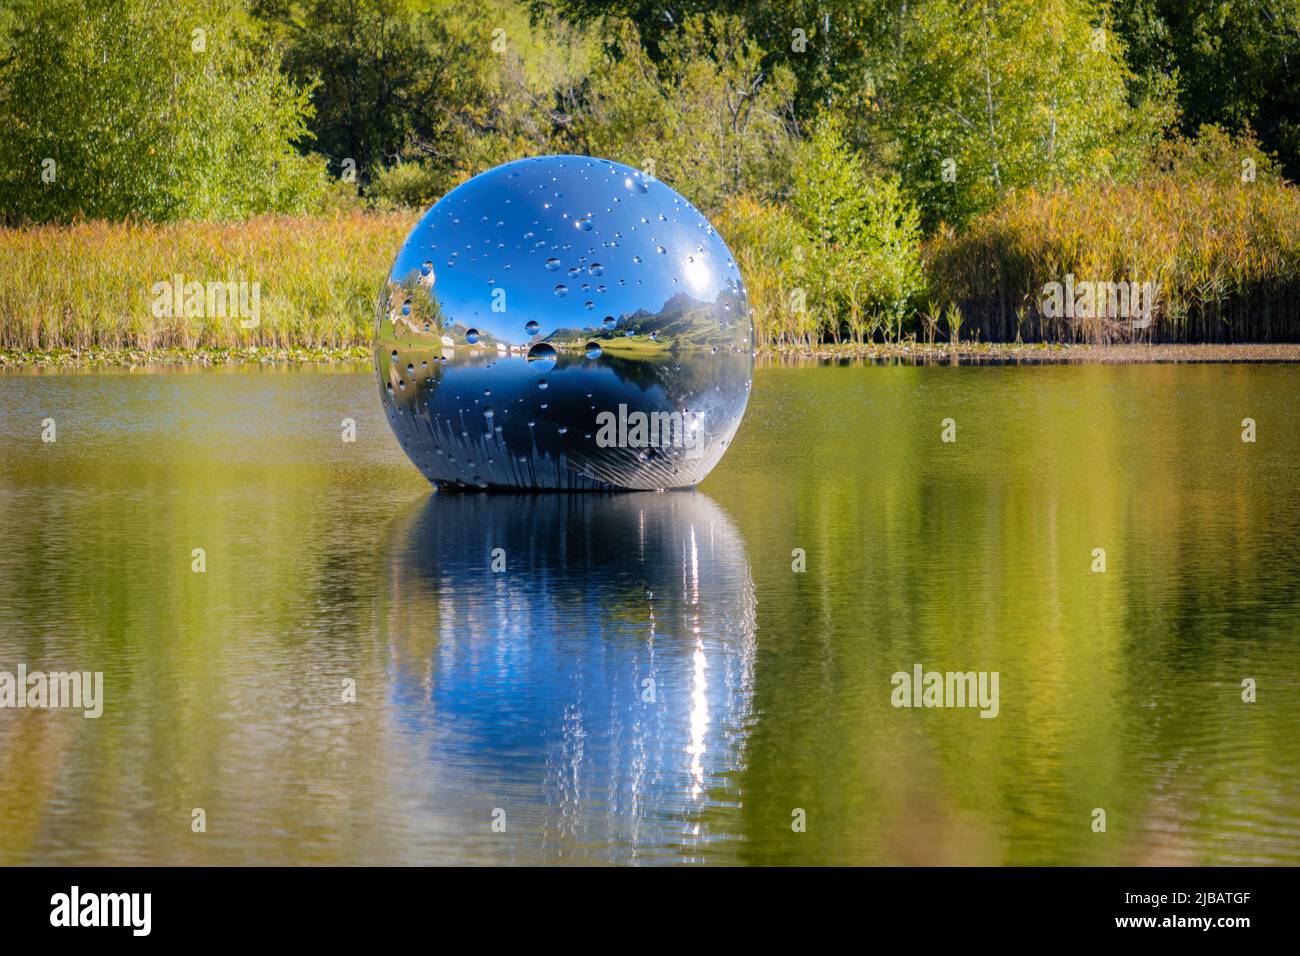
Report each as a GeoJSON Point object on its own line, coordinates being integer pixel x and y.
{"type": "Point", "coordinates": [92, 284]}
{"type": "Point", "coordinates": [1224, 258]}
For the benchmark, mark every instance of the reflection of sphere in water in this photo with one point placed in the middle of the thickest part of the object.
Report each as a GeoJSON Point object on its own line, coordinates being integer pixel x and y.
{"type": "Point", "coordinates": [564, 322]}
{"type": "Point", "coordinates": [597, 680]}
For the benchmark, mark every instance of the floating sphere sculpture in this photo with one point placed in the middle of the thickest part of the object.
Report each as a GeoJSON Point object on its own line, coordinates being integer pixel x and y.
{"type": "Point", "coordinates": [565, 323]}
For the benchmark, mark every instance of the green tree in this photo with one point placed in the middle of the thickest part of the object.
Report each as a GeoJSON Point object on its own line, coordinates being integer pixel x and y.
{"type": "Point", "coordinates": [865, 237]}
{"type": "Point", "coordinates": [1236, 62]}
{"type": "Point", "coordinates": [995, 95]}
{"type": "Point", "coordinates": [415, 97]}
{"type": "Point", "coordinates": [386, 79]}
{"type": "Point", "coordinates": [708, 119]}
{"type": "Point", "coordinates": [837, 52]}
{"type": "Point", "coordinates": [156, 109]}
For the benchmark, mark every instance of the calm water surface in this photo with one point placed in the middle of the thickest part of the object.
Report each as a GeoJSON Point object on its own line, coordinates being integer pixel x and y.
{"type": "Point", "coordinates": [648, 680]}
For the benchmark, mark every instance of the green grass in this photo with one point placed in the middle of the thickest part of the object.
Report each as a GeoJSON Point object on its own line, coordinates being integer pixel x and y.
{"type": "Point", "coordinates": [90, 285]}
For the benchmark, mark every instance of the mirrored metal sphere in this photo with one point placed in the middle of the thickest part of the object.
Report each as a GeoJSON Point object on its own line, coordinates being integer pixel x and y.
{"type": "Point", "coordinates": [564, 322]}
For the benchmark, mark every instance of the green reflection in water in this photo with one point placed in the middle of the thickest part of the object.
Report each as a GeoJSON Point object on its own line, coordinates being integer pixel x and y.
{"type": "Point", "coordinates": [524, 690]}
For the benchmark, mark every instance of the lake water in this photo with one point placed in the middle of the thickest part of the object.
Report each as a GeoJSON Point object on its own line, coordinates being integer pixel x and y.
{"type": "Point", "coordinates": [648, 680]}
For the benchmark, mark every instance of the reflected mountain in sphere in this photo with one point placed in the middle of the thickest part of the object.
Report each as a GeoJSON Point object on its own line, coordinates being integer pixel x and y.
{"type": "Point", "coordinates": [598, 688]}
{"type": "Point", "coordinates": [564, 323]}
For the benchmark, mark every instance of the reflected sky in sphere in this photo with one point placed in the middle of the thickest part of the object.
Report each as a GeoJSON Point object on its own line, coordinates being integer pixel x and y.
{"type": "Point", "coordinates": [558, 266]}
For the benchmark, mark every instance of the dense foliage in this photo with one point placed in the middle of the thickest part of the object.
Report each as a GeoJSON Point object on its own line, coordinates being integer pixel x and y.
{"type": "Point", "coordinates": [157, 109]}
{"type": "Point", "coordinates": [866, 159]}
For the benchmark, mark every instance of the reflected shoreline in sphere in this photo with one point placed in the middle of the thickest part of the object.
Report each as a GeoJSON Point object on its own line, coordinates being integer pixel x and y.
{"type": "Point", "coordinates": [564, 323]}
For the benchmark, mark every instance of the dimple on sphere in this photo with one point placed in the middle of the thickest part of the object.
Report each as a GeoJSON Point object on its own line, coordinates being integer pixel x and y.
{"type": "Point", "coordinates": [564, 322]}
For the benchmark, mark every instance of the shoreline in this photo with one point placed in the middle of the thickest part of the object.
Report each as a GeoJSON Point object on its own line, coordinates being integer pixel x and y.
{"type": "Point", "coordinates": [195, 358]}
{"type": "Point", "coordinates": [906, 353]}
{"type": "Point", "coordinates": [1036, 353]}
